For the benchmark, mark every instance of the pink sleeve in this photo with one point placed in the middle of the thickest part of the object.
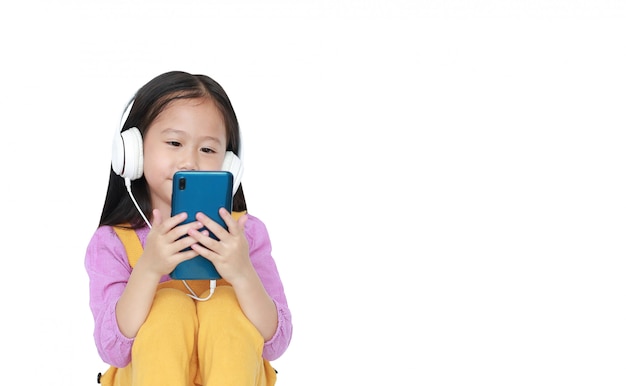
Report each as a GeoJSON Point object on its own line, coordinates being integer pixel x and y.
{"type": "Point", "coordinates": [108, 269]}
{"type": "Point", "coordinates": [263, 262]}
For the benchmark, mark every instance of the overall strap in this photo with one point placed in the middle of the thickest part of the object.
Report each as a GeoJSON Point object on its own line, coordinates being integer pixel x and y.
{"type": "Point", "coordinates": [131, 242]}
{"type": "Point", "coordinates": [133, 246]}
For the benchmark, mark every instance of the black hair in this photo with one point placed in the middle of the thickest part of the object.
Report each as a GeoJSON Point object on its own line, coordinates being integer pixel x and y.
{"type": "Point", "coordinates": [149, 101]}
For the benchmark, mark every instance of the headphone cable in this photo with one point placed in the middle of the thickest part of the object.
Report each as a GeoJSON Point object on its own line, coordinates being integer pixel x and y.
{"type": "Point", "coordinates": [130, 193]}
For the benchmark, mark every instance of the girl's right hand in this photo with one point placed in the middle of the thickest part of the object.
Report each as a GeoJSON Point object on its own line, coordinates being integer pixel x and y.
{"type": "Point", "coordinates": [165, 243]}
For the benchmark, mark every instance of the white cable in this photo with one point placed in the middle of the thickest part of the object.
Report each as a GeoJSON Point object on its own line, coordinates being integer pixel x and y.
{"type": "Point", "coordinates": [127, 182]}
{"type": "Point", "coordinates": [192, 294]}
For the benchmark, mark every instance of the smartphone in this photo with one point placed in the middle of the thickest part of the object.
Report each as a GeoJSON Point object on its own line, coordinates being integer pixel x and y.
{"type": "Point", "coordinates": [206, 192]}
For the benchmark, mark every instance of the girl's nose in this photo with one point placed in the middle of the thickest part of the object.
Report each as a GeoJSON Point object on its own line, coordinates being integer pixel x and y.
{"type": "Point", "coordinates": [188, 161]}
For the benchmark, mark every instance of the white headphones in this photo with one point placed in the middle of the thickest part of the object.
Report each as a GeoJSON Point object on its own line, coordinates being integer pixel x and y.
{"type": "Point", "coordinates": [127, 158]}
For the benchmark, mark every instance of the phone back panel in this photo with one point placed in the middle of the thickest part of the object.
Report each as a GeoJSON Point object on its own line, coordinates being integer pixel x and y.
{"type": "Point", "coordinates": [206, 192]}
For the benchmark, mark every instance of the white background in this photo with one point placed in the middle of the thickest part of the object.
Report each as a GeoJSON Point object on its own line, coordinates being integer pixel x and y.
{"type": "Point", "coordinates": [443, 181]}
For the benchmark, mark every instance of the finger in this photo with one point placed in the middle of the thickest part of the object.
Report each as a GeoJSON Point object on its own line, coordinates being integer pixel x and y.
{"type": "Point", "coordinates": [183, 243]}
{"type": "Point", "coordinates": [234, 226]}
{"type": "Point", "coordinates": [182, 231]}
{"type": "Point", "coordinates": [183, 256]}
{"type": "Point", "coordinates": [241, 222]}
{"type": "Point", "coordinates": [204, 252]}
{"type": "Point", "coordinates": [174, 221]}
{"type": "Point", "coordinates": [212, 226]}
{"type": "Point", "coordinates": [164, 226]}
{"type": "Point", "coordinates": [157, 219]}
{"type": "Point", "coordinates": [204, 239]}
{"type": "Point", "coordinates": [228, 219]}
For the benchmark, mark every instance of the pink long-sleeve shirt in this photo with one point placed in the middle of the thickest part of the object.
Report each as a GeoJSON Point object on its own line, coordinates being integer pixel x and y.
{"type": "Point", "coordinates": [108, 268]}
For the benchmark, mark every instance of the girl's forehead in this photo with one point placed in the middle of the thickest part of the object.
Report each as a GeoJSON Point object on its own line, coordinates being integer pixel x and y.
{"type": "Point", "coordinates": [199, 114]}
{"type": "Point", "coordinates": [190, 102]}
{"type": "Point", "coordinates": [201, 108]}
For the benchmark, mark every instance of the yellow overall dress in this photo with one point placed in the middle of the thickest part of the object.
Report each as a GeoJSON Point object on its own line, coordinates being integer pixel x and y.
{"type": "Point", "coordinates": [199, 343]}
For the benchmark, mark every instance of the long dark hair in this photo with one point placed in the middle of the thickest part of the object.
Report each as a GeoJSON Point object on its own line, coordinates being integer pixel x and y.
{"type": "Point", "coordinates": [149, 101]}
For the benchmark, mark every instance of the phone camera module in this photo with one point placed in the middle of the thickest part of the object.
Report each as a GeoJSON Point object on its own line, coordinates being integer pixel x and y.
{"type": "Point", "coordinates": [182, 184]}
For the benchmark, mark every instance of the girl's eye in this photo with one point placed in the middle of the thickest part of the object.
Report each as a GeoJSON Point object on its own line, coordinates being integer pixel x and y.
{"type": "Point", "coordinates": [207, 150]}
{"type": "Point", "coordinates": [174, 143]}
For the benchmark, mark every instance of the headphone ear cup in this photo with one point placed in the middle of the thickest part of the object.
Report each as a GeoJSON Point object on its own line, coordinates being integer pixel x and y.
{"type": "Point", "coordinates": [127, 160]}
{"type": "Point", "coordinates": [233, 164]}
{"type": "Point", "coordinates": [117, 154]}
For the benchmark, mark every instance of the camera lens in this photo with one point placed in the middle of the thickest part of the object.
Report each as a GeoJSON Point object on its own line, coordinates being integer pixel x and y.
{"type": "Point", "coordinates": [182, 183]}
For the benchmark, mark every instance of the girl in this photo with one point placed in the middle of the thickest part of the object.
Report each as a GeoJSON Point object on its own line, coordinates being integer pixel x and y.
{"type": "Point", "coordinates": [148, 327]}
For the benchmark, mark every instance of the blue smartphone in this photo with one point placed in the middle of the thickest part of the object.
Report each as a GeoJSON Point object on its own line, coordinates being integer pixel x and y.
{"type": "Point", "coordinates": [206, 192]}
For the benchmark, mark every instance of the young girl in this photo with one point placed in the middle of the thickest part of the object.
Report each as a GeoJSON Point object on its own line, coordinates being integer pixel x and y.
{"type": "Point", "coordinates": [151, 329]}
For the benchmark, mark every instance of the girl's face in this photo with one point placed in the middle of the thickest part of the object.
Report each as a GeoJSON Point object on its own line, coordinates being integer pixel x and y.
{"type": "Point", "coordinates": [190, 134]}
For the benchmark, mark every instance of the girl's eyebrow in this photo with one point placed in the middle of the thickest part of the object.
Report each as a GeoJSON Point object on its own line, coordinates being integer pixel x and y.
{"type": "Point", "coordinates": [184, 133]}
{"type": "Point", "coordinates": [172, 131]}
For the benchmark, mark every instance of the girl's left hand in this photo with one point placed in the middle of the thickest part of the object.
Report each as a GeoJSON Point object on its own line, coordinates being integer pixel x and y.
{"type": "Point", "coordinates": [230, 253]}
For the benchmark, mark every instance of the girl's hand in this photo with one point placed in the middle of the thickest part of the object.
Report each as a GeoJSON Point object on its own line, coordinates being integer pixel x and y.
{"type": "Point", "coordinates": [230, 254]}
{"type": "Point", "coordinates": [162, 250]}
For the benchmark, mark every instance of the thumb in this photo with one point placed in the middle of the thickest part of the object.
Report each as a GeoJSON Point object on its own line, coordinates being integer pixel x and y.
{"type": "Point", "coordinates": [157, 218]}
{"type": "Point", "coordinates": [241, 222]}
